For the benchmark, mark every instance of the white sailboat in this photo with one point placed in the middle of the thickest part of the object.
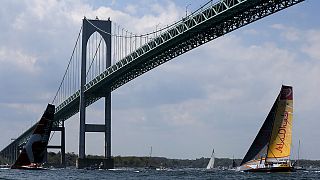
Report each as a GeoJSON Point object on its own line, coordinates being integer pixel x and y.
{"type": "Point", "coordinates": [211, 162]}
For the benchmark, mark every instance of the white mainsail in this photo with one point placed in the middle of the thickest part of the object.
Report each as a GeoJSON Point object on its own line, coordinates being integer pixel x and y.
{"type": "Point", "coordinates": [211, 162]}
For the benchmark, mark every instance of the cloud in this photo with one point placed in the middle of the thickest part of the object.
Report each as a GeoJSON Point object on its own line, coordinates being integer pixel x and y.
{"type": "Point", "coordinates": [290, 33]}
{"type": "Point", "coordinates": [312, 44]}
{"type": "Point", "coordinates": [32, 108]}
{"type": "Point", "coordinates": [131, 9]}
{"type": "Point", "coordinates": [310, 39]}
{"type": "Point", "coordinates": [16, 60]}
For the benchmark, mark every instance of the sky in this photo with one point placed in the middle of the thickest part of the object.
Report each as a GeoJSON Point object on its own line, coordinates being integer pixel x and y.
{"type": "Point", "coordinates": [215, 96]}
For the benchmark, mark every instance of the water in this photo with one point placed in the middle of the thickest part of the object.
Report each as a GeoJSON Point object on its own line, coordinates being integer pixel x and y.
{"type": "Point", "coordinates": [149, 174]}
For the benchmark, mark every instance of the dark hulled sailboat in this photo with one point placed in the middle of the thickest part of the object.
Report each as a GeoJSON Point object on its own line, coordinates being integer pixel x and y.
{"type": "Point", "coordinates": [270, 150]}
{"type": "Point", "coordinates": [33, 154]}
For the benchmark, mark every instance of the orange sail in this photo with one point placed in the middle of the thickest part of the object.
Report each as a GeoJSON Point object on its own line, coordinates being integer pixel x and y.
{"type": "Point", "coordinates": [280, 142]}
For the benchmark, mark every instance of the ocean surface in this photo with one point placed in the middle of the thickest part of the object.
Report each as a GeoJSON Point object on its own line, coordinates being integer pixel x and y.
{"type": "Point", "coordinates": [150, 174]}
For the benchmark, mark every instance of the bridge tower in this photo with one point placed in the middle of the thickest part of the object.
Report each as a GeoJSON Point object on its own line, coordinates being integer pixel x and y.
{"type": "Point", "coordinates": [103, 27]}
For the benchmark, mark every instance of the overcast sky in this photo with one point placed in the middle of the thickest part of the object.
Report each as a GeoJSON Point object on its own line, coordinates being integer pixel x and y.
{"type": "Point", "coordinates": [217, 95]}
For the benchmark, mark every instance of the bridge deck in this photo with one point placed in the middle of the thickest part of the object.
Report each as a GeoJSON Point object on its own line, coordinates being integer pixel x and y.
{"type": "Point", "coordinates": [198, 28]}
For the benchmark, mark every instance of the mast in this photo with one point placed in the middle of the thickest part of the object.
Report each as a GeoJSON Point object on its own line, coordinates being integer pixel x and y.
{"type": "Point", "coordinates": [272, 125]}
{"type": "Point", "coordinates": [233, 162]}
{"type": "Point", "coordinates": [149, 159]}
{"type": "Point", "coordinates": [298, 162]}
{"type": "Point", "coordinates": [260, 144]}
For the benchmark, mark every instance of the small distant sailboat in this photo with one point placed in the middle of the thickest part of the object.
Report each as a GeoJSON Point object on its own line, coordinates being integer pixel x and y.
{"type": "Point", "coordinates": [233, 165]}
{"type": "Point", "coordinates": [33, 154]}
{"type": "Point", "coordinates": [270, 150]}
{"type": "Point", "coordinates": [149, 166]}
{"type": "Point", "coordinates": [297, 165]}
{"type": "Point", "coordinates": [211, 161]}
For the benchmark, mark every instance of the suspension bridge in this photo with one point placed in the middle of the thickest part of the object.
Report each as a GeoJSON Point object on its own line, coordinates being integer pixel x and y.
{"type": "Point", "coordinates": [107, 56]}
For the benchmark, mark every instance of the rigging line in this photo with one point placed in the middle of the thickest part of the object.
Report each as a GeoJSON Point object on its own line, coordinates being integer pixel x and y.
{"type": "Point", "coordinates": [94, 56]}
{"type": "Point", "coordinates": [118, 45]}
{"type": "Point", "coordinates": [98, 65]}
{"type": "Point", "coordinates": [95, 70]}
{"type": "Point", "coordinates": [77, 66]}
{"type": "Point", "coordinates": [68, 65]}
{"type": "Point", "coordinates": [284, 142]}
{"type": "Point", "coordinates": [274, 156]}
{"type": "Point", "coordinates": [121, 49]}
{"type": "Point", "coordinates": [272, 151]}
{"type": "Point", "coordinates": [288, 123]}
{"type": "Point", "coordinates": [73, 74]}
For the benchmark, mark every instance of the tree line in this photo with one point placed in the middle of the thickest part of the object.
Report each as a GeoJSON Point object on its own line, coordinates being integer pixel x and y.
{"type": "Point", "coordinates": [54, 159]}
{"type": "Point", "coordinates": [134, 161]}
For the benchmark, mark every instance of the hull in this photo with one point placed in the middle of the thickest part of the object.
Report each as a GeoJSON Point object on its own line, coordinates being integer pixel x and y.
{"type": "Point", "coordinates": [28, 168]}
{"type": "Point", "coordinates": [272, 169]}
{"type": "Point", "coordinates": [262, 167]}
{"type": "Point", "coordinates": [300, 168]}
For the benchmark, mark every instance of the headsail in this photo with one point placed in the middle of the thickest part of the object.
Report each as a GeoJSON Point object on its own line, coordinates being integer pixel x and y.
{"type": "Point", "coordinates": [259, 147]}
{"type": "Point", "coordinates": [211, 161]}
{"type": "Point", "coordinates": [35, 150]}
{"type": "Point", "coordinates": [271, 147]}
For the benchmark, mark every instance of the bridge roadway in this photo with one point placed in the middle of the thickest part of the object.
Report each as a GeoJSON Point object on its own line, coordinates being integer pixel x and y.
{"type": "Point", "coordinates": [208, 23]}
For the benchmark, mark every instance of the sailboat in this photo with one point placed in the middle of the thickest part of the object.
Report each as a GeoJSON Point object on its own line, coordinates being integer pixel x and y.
{"type": "Point", "coordinates": [297, 163]}
{"type": "Point", "coordinates": [270, 150]}
{"type": "Point", "coordinates": [211, 161]}
{"type": "Point", "coordinates": [149, 166]}
{"type": "Point", "coordinates": [34, 152]}
{"type": "Point", "coordinates": [233, 166]}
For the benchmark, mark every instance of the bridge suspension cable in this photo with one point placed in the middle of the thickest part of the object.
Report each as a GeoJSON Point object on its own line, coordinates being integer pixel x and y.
{"type": "Point", "coordinates": [63, 88]}
{"type": "Point", "coordinates": [126, 45]}
{"type": "Point", "coordinates": [123, 44]}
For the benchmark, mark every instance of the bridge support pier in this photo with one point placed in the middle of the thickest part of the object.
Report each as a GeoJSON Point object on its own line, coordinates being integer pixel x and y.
{"type": "Point", "coordinates": [107, 143]}
{"type": "Point", "coordinates": [104, 29]}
